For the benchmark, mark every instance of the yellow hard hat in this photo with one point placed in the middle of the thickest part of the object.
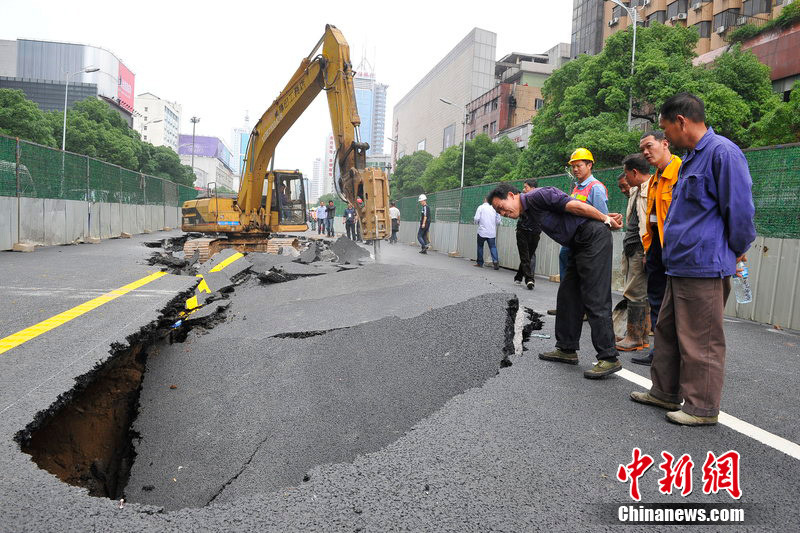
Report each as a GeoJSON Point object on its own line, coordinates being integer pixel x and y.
{"type": "Point", "coordinates": [581, 154]}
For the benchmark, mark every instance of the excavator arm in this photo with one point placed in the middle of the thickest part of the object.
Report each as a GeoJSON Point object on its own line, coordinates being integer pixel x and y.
{"type": "Point", "coordinates": [330, 71]}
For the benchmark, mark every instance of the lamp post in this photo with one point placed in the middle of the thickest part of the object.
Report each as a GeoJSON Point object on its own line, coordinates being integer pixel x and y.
{"type": "Point", "coordinates": [634, 17]}
{"type": "Point", "coordinates": [86, 70]}
{"type": "Point", "coordinates": [464, 139]}
{"type": "Point", "coordinates": [194, 121]}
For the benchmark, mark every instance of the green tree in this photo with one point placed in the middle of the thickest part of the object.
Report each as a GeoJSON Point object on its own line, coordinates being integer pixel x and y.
{"type": "Point", "coordinates": [405, 180]}
{"type": "Point", "coordinates": [780, 125]}
{"type": "Point", "coordinates": [20, 117]}
{"type": "Point", "coordinates": [504, 161]}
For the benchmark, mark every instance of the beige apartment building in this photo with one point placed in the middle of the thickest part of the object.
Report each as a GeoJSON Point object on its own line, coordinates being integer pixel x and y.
{"type": "Point", "coordinates": [714, 19]}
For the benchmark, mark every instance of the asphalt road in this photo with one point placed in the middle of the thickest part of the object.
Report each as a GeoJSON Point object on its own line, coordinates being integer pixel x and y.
{"type": "Point", "coordinates": [535, 447]}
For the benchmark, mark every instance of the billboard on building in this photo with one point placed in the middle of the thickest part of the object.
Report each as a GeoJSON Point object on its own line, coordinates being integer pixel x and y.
{"type": "Point", "coordinates": [125, 87]}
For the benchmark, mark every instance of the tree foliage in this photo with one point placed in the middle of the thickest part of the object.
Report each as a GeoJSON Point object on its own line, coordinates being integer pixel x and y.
{"type": "Point", "coordinates": [781, 124]}
{"type": "Point", "coordinates": [94, 130]}
{"type": "Point", "coordinates": [586, 101]}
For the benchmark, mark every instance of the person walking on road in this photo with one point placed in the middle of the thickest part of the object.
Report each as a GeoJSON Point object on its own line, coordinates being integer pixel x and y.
{"type": "Point", "coordinates": [312, 218]}
{"type": "Point", "coordinates": [322, 213]}
{"type": "Point", "coordinates": [424, 224]}
{"type": "Point", "coordinates": [394, 215]}
{"type": "Point", "coordinates": [487, 220]}
{"type": "Point", "coordinates": [586, 189]}
{"type": "Point", "coordinates": [708, 229]}
{"type": "Point", "coordinates": [637, 175]}
{"type": "Point", "coordinates": [655, 149]}
{"type": "Point", "coordinates": [528, 234]}
{"type": "Point", "coordinates": [586, 286]}
{"type": "Point", "coordinates": [349, 218]}
{"type": "Point", "coordinates": [330, 217]}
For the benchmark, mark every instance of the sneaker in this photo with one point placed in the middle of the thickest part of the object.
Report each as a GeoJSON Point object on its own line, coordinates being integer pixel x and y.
{"type": "Point", "coordinates": [685, 419]}
{"type": "Point", "coordinates": [424, 251]}
{"type": "Point", "coordinates": [602, 368]}
{"type": "Point", "coordinates": [529, 285]}
{"type": "Point", "coordinates": [560, 356]}
{"type": "Point", "coordinates": [648, 399]}
{"type": "Point", "coordinates": [517, 280]}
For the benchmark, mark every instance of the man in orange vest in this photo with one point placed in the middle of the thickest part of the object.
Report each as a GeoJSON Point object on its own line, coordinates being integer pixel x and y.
{"type": "Point", "coordinates": [655, 148]}
{"type": "Point", "coordinates": [587, 189]}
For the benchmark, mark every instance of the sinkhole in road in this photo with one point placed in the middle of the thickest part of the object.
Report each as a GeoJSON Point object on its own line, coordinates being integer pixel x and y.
{"type": "Point", "coordinates": [87, 439]}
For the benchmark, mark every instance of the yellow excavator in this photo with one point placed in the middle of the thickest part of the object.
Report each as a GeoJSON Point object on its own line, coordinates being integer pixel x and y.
{"type": "Point", "coordinates": [247, 221]}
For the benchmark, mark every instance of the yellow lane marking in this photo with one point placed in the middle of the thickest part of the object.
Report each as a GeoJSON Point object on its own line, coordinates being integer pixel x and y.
{"type": "Point", "coordinates": [20, 337]}
{"type": "Point", "coordinates": [227, 262]}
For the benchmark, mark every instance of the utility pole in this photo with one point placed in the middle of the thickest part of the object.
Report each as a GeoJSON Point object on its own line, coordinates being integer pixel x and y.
{"type": "Point", "coordinates": [194, 120]}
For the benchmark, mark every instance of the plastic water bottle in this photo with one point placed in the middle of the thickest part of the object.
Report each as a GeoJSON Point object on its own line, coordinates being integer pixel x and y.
{"type": "Point", "coordinates": [741, 285]}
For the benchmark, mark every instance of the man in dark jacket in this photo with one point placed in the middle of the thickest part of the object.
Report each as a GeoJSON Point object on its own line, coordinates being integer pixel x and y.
{"type": "Point", "coordinates": [329, 219]}
{"type": "Point", "coordinates": [586, 286]}
{"type": "Point", "coordinates": [709, 226]}
{"type": "Point", "coordinates": [528, 234]}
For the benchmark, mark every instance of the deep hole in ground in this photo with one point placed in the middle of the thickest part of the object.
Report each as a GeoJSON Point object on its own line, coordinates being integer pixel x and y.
{"type": "Point", "coordinates": [85, 437]}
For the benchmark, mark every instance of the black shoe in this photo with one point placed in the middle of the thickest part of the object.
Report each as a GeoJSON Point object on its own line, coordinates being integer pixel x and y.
{"type": "Point", "coordinates": [647, 360]}
{"type": "Point", "coordinates": [517, 280]}
{"type": "Point", "coordinates": [551, 312]}
{"type": "Point", "coordinates": [496, 265]}
{"type": "Point", "coordinates": [530, 285]}
{"type": "Point", "coordinates": [424, 251]}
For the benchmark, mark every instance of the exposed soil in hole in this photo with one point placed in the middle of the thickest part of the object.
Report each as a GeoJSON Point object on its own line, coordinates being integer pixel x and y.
{"type": "Point", "coordinates": [85, 438]}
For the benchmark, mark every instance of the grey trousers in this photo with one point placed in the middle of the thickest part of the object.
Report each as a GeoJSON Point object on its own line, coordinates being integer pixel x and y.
{"type": "Point", "coordinates": [690, 363]}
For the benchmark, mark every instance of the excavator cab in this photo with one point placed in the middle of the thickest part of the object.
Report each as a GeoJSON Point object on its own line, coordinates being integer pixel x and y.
{"type": "Point", "coordinates": [287, 200]}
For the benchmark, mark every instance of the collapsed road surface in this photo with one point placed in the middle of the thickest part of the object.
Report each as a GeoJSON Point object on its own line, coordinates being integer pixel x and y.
{"type": "Point", "coordinates": [294, 424]}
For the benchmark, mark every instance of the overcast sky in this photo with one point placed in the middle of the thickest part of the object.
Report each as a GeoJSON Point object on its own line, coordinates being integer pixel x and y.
{"type": "Point", "coordinates": [220, 59]}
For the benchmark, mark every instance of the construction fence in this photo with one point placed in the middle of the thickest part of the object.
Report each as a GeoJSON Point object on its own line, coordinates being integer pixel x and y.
{"type": "Point", "coordinates": [774, 258]}
{"type": "Point", "coordinates": [52, 197]}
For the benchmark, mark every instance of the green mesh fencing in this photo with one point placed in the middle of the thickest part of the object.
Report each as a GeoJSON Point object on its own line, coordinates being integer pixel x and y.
{"type": "Point", "coordinates": [776, 190]}
{"type": "Point", "coordinates": [776, 193]}
{"type": "Point", "coordinates": [8, 166]}
{"type": "Point", "coordinates": [49, 173]}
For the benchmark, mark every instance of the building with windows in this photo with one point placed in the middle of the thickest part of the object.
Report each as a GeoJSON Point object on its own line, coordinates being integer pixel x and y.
{"type": "Point", "coordinates": [421, 120]}
{"type": "Point", "coordinates": [41, 68]}
{"type": "Point", "coordinates": [371, 103]}
{"type": "Point", "coordinates": [587, 27]}
{"type": "Point", "coordinates": [239, 139]}
{"type": "Point", "coordinates": [157, 121]}
{"type": "Point", "coordinates": [315, 185]}
{"type": "Point", "coordinates": [211, 156]}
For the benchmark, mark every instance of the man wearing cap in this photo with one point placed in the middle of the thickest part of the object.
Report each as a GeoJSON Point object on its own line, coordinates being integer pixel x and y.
{"type": "Point", "coordinates": [586, 286]}
{"type": "Point", "coordinates": [587, 189]}
{"type": "Point", "coordinates": [424, 224]}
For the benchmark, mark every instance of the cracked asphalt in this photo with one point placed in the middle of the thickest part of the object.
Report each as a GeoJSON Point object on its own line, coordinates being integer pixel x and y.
{"type": "Point", "coordinates": [534, 447]}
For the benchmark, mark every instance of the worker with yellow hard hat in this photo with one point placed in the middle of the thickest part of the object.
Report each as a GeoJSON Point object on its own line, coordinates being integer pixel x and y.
{"type": "Point", "coordinates": [586, 188]}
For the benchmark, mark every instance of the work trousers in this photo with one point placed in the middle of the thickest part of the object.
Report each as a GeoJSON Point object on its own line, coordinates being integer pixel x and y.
{"type": "Point", "coordinates": [690, 364]}
{"type": "Point", "coordinates": [492, 249]}
{"type": "Point", "coordinates": [656, 277]}
{"type": "Point", "coordinates": [422, 237]}
{"type": "Point", "coordinates": [527, 242]}
{"type": "Point", "coordinates": [563, 258]}
{"type": "Point", "coordinates": [635, 277]}
{"type": "Point", "coordinates": [350, 229]}
{"type": "Point", "coordinates": [586, 287]}
{"type": "Point", "coordinates": [321, 228]}
{"type": "Point", "coordinates": [395, 229]}
{"type": "Point", "coordinates": [329, 226]}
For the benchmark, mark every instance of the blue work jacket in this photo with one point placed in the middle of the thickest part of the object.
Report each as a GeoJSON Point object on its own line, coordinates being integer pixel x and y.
{"type": "Point", "coordinates": [710, 221]}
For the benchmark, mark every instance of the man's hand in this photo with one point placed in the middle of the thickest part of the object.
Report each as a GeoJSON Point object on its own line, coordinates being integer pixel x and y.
{"type": "Point", "coordinates": [740, 270]}
{"type": "Point", "coordinates": [616, 220]}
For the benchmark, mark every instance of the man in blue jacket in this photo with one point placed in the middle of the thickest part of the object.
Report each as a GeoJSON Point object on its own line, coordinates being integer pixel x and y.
{"type": "Point", "coordinates": [709, 227]}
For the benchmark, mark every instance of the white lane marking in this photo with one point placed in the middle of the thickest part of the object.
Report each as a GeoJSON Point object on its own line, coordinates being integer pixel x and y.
{"type": "Point", "coordinates": [788, 447]}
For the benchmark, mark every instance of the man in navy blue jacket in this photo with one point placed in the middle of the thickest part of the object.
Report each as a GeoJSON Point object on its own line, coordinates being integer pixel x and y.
{"type": "Point", "coordinates": [708, 228]}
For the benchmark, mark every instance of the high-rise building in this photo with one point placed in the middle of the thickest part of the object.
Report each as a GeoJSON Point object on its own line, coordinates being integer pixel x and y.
{"type": "Point", "coordinates": [211, 156]}
{"type": "Point", "coordinates": [587, 27]}
{"type": "Point", "coordinates": [35, 66]}
{"type": "Point", "coordinates": [316, 181]}
{"type": "Point", "coordinates": [371, 103]}
{"type": "Point", "coordinates": [241, 137]}
{"type": "Point", "coordinates": [157, 121]}
{"type": "Point", "coordinates": [328, 170]}
{"type": "Point", "coordinates": [422, 121]}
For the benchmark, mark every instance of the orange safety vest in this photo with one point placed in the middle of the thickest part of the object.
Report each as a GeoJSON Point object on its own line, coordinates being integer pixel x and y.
{"type": "Point", "coordinates": [582, 193]}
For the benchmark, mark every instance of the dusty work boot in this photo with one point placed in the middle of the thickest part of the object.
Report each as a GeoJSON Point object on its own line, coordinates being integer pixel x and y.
{"type": "Point", "coordinates": [560, 356]}
{"type": "Point", "coordinates": [648, 399]}
{"type": "Point", "coordinates": [496, 265]}
{"type": "Point", "coordinates": [602, 368]}
{"type": "Point", "coordinates": [685, 419]}
{"type": "Point", "coordinates": [636, 338]}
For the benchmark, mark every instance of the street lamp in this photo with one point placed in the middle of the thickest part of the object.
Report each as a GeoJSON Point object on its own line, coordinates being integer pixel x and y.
{"type": "Point", "coordinates": [86, 70]}
{"type": "Point", "coordinates": [634, 17]}
{"type": "Point", "coordinates": [194, 121]}
{"type": "Point", "coordinates": [464, 140]}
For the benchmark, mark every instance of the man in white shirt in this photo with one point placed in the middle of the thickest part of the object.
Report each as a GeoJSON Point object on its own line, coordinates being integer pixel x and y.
{"type": "Point", "coordinates": [394, 215]}
{"type": "Point", "coordinates": [487, 220]}
{"type": "Point", "coordinates": [322, 214]}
